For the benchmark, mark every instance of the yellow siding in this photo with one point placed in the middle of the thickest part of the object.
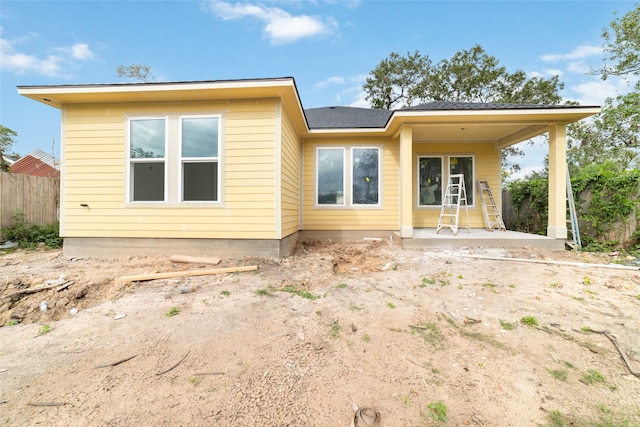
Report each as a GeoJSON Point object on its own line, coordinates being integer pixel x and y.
{"type": "Point", "coordinates": [289, 177]}
{"type": "Point", "coordinates": [384, 217]}
{"type": "Point", "coordinates": [95, 165]}
{"type": "Point", "coordinates": [487, 167]}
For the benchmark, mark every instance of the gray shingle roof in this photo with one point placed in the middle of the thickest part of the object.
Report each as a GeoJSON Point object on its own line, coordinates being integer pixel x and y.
{"type": "Point", "coordinates": [363, 118]}
{"type": "Point", "coordinates": [346, 118]}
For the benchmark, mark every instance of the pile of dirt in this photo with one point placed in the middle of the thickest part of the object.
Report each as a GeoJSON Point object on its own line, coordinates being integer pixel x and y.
{"type": "Point", "coordinates": [485, 337]}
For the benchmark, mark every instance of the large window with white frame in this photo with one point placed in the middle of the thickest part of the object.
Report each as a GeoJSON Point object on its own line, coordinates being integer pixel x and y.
{"type": "Point", "coordinates": [200, 139]}
{"type": "Point", "coordinates": [348, 176]}
{"type": "Point", "coordinates": [174, 159]}
{"type": "Point", "coordinates": [147, 159]}
{"type": "Point", "coordinates": [433, 177]}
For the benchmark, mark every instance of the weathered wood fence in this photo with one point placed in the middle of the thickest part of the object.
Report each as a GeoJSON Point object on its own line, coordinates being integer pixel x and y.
{"type": "Point", "coordinates": [35, 196]}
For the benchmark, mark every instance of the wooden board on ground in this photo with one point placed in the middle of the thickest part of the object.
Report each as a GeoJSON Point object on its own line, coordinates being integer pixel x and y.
{"type": "Point", "coordinates": [195, 259]}
{"type": "Point", "coordinates": [154, 276]}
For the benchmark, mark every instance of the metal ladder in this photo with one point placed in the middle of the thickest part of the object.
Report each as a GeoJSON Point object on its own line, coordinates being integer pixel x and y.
{"type": "Point", "coordinates": [454, 197]}
{"type": "Point", "coordinates": [573, 217]}
{"type": "Point", "coordinates": [492, 217]}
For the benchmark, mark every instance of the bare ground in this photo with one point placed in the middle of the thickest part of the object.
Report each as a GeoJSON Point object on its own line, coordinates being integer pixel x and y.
{"type": "Point", "coordinates": [302, 339]}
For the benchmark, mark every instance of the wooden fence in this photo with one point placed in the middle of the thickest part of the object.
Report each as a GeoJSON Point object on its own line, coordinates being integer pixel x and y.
{"type": "Point", "coordinates": [36, 196]}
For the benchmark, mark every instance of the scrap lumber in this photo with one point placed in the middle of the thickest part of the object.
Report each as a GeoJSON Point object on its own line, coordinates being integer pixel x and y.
{"type": "Point", "coordinates": [186, 273]}
{"type": "Point", "coordinates": [195, 259]}
{"type": "Point", "coordinates": [60, 287]}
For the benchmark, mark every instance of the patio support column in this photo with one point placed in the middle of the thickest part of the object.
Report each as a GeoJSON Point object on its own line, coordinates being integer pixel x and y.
{"type": "Point", "coordinates": [406, 185]}
{"type": "Point", "coordinates": [557, 223]}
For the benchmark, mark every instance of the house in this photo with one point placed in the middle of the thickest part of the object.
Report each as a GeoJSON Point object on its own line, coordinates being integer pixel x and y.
{"type": "Point", "coordinates": [238, 167]}
{"type": "Point", "coordinates": [37, 163]}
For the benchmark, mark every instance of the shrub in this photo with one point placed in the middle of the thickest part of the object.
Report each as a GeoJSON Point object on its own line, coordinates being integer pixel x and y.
{"type": "Point", "coordinates": [29, 236]}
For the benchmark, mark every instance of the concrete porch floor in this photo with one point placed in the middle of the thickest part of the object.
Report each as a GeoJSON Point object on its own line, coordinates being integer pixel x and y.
{"type": "Point", "coordinates": [479, 238]}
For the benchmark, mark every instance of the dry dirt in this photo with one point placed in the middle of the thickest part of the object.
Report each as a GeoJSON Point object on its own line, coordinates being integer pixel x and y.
{"type": "Point", "coordinates": [302, 339]}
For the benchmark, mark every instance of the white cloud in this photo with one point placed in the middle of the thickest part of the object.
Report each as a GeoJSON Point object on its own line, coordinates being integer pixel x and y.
{"type": "Point", "coordinates": [581, 52]}
{"type": "Point", "coordinates": [81, 51]}
{"type": "Point", "coordinates": [280, 26]}
{"type": "Point", "coordinates": [594, 92]}
{"type": "Point", "coordinates": [331, 81]}
{"type": "Point", "coordinates": [11, 59]}
{"type": "Point", "coordinates": [554, 72]}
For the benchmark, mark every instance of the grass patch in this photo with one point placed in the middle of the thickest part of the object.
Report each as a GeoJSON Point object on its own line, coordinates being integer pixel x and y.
{"type": "Point", "coordinates": [293, 289]}
{"type": "Point", "coordinates": [430, 333]}
{"type": "Point", "coordinates": [334, 332]}
{"type": "Point", "coordinates": [593, 376]}
{"type": "Point", "coordinates": [508, 326]}
{"type": "Point", "coordinates": [559, 374]}
{"type": "Point", "coordinates": [44, 330]}
{"type": "Point", "coordinates": [173, 311]}
{"type": "Point", "coordinates": [365, 338]}
{"type": "Point", "coordinates": [342, 286]}
{"type": "Point", "coordinates": [438, 411]}
{"type": "Point", "coordinates": [391, 305]}
{"type": "Point", "coordinates": [604, 417]}
{"type": "Point", "coordinates": [225, 293]}
{"type": "Point", "coordinates": [529, 321]}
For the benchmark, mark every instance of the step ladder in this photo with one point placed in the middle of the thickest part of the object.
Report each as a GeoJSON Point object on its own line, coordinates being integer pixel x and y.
{"type": "Point", "coordinates": [454, 197]}
{"type": "Point", "coordinates": [492, 217]}
{"type": "Point", "coordinates": [573, 217]}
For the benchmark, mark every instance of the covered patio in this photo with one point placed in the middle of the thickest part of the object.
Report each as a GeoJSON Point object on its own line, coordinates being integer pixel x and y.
{"type": "Point", "coordinates": [480, 238]}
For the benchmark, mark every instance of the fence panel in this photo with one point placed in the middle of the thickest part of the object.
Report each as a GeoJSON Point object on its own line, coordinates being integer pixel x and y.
{"type": "Point", "coordinates": [36, 196]}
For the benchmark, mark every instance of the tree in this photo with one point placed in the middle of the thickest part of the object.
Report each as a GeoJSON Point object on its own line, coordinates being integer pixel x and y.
{"type": "Point", "coordinates": [613, 136]}
{"type": "Point", "coordinates": [6, 141]}
{"type": "Point", "coordinates": [469, 76]}
{"type": "Point", "coordinates": [135, 71]}
{"type": "Point", "coordinates": [397, 79]}
{"type": "Point", "coordinates": [622, 46]}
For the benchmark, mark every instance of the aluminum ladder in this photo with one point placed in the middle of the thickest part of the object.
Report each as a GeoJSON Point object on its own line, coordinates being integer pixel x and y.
{"type": "Point", "coordinates": [454, 197]}
{"type": "Point", "coordinates": [492, 216]}
{"type": "Point", "coordinates": [573, 217]}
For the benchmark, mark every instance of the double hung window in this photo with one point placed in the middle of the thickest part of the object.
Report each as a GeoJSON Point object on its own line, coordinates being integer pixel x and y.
{"type": "Point", "coordinates": [433, 177]}
{"type": "Point", "coordinates": [348, 176]}
{"type": "Point", "coordinates": [199, 158]}
{"type": "Point", "coordinates": [147, 156]}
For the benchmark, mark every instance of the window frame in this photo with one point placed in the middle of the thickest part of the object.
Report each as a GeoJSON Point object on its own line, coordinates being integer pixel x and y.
{"type": "Point", "coordinates": [347, 180]}
{"type": "Point", "coordinates": [182, 159]}
{"type": "Point", "coordinates": [131, 161]}
{"type": "Point", "coordinates": [446, 172]}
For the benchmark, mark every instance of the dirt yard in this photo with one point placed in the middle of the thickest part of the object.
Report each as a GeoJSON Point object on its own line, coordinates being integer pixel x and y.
{"type": "Point", "coordinates": [423, 338]}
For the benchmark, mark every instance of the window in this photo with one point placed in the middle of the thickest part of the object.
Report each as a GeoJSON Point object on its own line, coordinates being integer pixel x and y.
{"type": "Point", "coordinates": [356, 168]}
{"type": "Point", "coordinates": [432, 178]}
{"type": "Point", "coordinates": [175, 159]}
{"type": "Point", "coordinates": [199, 158]}
{"type": "Point", "coordinates": [464, 165]}
{"type": "Point", "coordinates": [147, 142]}
{"type": "Point", "coordinates": [430, 181]}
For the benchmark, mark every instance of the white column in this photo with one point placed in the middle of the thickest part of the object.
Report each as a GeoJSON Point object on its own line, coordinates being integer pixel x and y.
{"type": "Point", "coordinates": [406, 184]}
{"type": "Point", "coordinates": [557, 223]}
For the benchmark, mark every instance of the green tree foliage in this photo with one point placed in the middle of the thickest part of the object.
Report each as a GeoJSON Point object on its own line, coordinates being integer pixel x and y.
{"type": "Point", "coordinates": [135, 71]}
{"type": "Point", "coordinates": [469, 76]}
{"type": "Point", "coordinates": [6, 141]}
{"type": "Point", "coordinates": [615, 134]}
{"type": "Point", "coordinates": [622, 46]}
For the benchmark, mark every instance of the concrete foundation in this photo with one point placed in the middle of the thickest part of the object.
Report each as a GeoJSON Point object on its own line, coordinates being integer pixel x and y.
{"type": "Point", "coordinates": [109, 247]}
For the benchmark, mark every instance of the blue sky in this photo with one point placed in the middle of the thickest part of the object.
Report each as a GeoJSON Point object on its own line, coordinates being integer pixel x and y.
{"type": "Point", "coordinates": [328, 46]}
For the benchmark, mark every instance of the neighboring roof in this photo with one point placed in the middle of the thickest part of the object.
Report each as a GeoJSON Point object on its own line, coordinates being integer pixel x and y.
{"type": "Point", "coordinates": [346, 117]}
{"type": "Point", "coordinates": [36, 163]}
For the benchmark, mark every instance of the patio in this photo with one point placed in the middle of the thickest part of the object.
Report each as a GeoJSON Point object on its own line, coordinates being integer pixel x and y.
{"type": "Point", "coordinates": [480, 237]}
